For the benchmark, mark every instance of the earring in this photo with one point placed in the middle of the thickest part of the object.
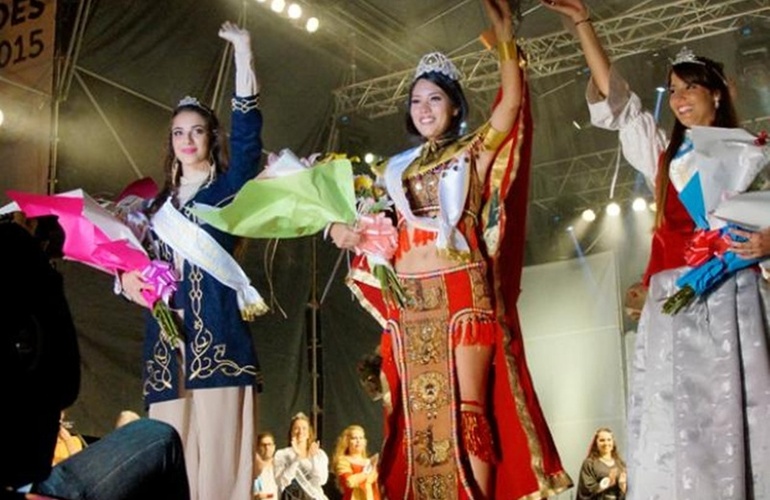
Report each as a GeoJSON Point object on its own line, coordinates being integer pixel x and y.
{"type": "Point", "coordinates": [212, 173]}
{"type": "Point", "coordinates": [716, 103]}
{"type": "Point", "coordinates": [175, 171]}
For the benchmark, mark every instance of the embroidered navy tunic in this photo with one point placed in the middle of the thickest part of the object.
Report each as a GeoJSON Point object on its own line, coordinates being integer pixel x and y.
{"type": "Point", "coordinates": [218, 349]}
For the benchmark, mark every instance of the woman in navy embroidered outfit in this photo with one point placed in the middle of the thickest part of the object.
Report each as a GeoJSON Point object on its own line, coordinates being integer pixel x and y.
{"type": "Point", "coordinates": [205, 383]}
{"type": "Point", "coordinates": [700, 383]}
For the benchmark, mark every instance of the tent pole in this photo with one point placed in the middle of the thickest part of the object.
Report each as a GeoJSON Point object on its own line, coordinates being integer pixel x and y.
{"type": "Point", "coordinates": [225, 63]}
{"type": "Point", "coordinates": [63, 73]}
{"type": "Point", "coordinates": [315, 349]}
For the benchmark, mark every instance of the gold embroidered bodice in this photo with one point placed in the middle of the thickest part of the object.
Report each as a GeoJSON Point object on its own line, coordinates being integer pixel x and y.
{"type": "Point", "coordinates": [421, 178]}
{"type": "Point", "coordinates": [421, 186]}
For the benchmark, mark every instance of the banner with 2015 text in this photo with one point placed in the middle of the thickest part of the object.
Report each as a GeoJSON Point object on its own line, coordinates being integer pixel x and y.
{"type": "Point", "coordinates": [27, 48]}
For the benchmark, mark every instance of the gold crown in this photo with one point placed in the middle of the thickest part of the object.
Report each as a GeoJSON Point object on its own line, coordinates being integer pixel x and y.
{"type": "Point", "coordinates": [438, 63]}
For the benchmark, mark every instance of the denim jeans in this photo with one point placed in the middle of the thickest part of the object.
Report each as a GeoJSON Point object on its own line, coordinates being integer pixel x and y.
{"type": "Point", "coordinates": [143, 459]}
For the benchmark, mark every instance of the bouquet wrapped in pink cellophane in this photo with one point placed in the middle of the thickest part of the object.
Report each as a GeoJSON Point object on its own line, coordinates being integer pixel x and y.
{"type": "Point", "coordinates": [97, 238]}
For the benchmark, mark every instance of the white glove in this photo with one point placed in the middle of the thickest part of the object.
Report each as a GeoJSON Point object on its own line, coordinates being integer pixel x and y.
{"type": "Point", "coordinates": [246, 84]}
{"type": "Point", "coordinates": [239, 37]}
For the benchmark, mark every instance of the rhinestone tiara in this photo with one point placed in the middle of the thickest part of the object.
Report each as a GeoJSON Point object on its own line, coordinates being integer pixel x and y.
{"type": "Point", "coordinates": [686, 55]}
{"type": "Point", "coordinates": [439, 63]}
{"type": "Point", "coordinates": [190, 101]}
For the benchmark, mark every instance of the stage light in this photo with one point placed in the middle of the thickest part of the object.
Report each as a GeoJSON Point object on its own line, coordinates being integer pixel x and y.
{"type": "Point", "coordinates": [312, 25]}
{"type": "Point", "coordinates": [570, 229]}
{"type": "Point", "coordinates": [295, 11]}
{"type": "Point", "coordinates": [588, 215]}
{"type": "Point", "coordinates": [639, 204]}
{"type": "Point", "coordinates": [278, 5]}
{"type": "Point", "coordinates": [369, 158]}
{"type": "Point", "coordinates": [613, 209]}
{"type": "Point", "coordinates": [261, 1]}
{"type": "Point", "coordinates": [2, 117]}
{"type": "Point", "coordinates": [658, 102]}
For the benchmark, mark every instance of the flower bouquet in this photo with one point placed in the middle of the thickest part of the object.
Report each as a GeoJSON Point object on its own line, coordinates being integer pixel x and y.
{"type": "Point", "coordinates": [296, 197]}
{"type": "Point", "coordinates": [711, 263]}
{"type": "Point", "coordinates": [727, 162]}
{"type": "Point", "coordinates": [379, 238]}
{"type": "Point", "coordinates": [289, 199]}
{"type": "Point", "coordinates": [95, 237]}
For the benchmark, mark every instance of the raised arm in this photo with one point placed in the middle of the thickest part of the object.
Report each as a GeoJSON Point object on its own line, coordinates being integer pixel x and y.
{"type": "Point", "coordinates": [246, 127]}
{"type": "Point", "coordinates": [504, 114]}
{"type": "Point", "coordinates": [246, 84]}
{"type": "Point", "coordinates": [612, 104]}
{"type": "Point", "coordinates": [596, 57]}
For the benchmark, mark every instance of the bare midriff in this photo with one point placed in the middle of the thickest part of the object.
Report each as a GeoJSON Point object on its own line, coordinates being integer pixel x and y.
{"type": "Point", "coordinates": [423, 258]}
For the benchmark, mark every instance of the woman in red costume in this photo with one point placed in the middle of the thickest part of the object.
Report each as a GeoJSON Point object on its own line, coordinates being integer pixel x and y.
{"type": "Point", "coordinates": [462, 418]}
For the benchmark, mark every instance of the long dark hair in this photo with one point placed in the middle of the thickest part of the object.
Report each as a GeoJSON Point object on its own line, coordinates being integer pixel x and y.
{"type": "Point", "coordinates": [453, 90]}
{"type": "Point", "coordinates": [171, 170]}
{"type": "Point", "coordinates": [709, 74]}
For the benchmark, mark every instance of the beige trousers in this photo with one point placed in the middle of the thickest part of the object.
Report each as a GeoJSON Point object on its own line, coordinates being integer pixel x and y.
{"type": "Point", "coordinates": [218, 430]}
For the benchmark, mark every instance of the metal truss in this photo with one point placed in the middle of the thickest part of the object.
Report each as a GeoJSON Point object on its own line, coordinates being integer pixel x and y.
{"type": "Point", "coordinates": [636, 31]}
{"type": "Point", "coordinates": [574, 184]}
{"type": "Point", "coordinates": [581, 182]}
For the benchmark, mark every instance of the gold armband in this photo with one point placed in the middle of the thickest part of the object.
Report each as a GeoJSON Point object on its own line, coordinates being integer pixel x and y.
{"type": "Point", "coordinates": [507, 50]}
{"type": "Point", "coordinates": [491, 138]}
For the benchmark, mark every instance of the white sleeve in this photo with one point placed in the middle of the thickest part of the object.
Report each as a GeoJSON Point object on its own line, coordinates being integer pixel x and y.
{"type": "Point", "coordinates": [320, 471]}
{"type": "Point", "coordinates": [641, 140]}
{"type": "Point", "coordinates": [285, 465]}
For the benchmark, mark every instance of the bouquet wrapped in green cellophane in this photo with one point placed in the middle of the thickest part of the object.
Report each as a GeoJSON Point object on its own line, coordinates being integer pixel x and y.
{"type": "Point", "coordinates": [289, 199]}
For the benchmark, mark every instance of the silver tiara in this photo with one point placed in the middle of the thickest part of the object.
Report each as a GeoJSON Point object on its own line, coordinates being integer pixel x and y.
{"type": "Point", "coordinates": [439, 63]}
{"type": "Point", "coordinates": [190, 101]}
{"type": "Point", "coordinates": [686, 55]}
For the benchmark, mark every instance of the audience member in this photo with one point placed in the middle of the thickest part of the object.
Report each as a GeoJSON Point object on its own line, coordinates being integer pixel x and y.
{"type": "Point", "coordinates": [603, 474]}
{"type": "Point", "coordinates": [41, 376]}
{"type": "Point", "coordinates": [356, 472]}
{"type": "Point", "coordinates": [68, 442]}
{"type": "Point", "coordinates": [302, 468]}
{"type": "Point", "coordinates": [264, 473]}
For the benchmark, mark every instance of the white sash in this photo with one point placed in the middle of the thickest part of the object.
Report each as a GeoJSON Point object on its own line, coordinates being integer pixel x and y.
{"type": "Point", "coordinates": [197, 246]}
{"type": "Point", "coordinates": [452, 193]}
